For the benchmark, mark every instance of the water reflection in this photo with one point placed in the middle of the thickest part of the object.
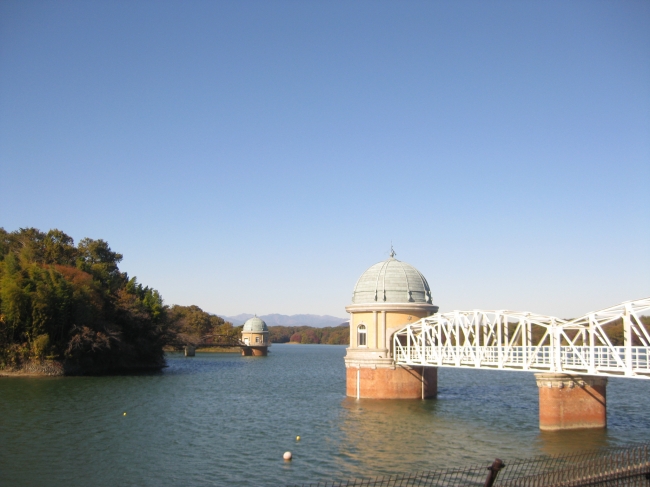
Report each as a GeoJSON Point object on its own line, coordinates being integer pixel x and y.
{"type": "Point", "coordinates": [388, 432]}
{"type": "Point", "coordinates": [571, 441]}
{"type": "Point", "coordinates": [392, 435]}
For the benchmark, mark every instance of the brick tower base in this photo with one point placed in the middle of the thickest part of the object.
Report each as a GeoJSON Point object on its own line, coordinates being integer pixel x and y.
{"type": "Point", "coordinates": [391, 382]}
{"type": "Point", "coordinates": [571, 401]}
{"type": "Point", "coordinates": [254, 351]}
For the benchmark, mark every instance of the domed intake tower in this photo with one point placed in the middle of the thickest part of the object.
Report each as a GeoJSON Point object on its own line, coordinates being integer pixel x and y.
{"type": "Point", "coordinates": [255, 335]}
{"type": "Point", "coordinates": [388, 296]}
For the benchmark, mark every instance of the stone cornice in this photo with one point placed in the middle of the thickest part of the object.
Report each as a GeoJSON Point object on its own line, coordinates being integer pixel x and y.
{"type": "Point", "coordinates": [368, 307]}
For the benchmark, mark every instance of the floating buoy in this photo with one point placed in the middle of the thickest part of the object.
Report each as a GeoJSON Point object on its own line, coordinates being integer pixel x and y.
{"type": "Point", "coordinates": [298, 438]}
{"type": "Point", "coordinates": [287, 456]}
{"type": "Point", "coordinates": [124, 414]}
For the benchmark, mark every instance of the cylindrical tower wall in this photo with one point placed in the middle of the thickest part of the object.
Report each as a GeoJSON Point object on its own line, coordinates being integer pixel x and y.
{"type": "Point", "coordinates": [392, 383]}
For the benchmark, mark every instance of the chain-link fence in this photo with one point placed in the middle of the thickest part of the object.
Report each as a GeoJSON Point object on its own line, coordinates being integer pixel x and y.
{"type": "Point", "coordinates": [623, 466]}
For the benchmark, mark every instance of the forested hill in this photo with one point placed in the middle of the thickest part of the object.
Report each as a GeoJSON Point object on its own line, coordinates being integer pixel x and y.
{"type": "Point", "coordinates": [73, 304]}
{"type": "Point", "coordinates": [331, 335]}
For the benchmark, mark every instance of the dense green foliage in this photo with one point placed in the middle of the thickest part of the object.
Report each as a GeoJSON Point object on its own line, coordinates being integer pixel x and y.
{"type": "Point", "coordinates": [331, 335]}
{"type": "Point", "coordinates": [190, 325]}
{"type": "Point", "coordinates": [72, 303]}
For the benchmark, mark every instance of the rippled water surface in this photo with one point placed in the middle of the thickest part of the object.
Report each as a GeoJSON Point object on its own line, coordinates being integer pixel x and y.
{"type": "Point", "coordinates": [224, 419]}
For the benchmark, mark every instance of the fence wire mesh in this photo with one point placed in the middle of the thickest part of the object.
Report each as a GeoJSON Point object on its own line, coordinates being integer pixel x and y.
{"type": "Point", "coordinates": [621, 466]}
{"type": "Point", "coordinates": [611, 467]}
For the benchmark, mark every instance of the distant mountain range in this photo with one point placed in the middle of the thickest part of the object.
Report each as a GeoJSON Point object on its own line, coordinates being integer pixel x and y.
{"type": "Point", "coordinates": [317, 321]}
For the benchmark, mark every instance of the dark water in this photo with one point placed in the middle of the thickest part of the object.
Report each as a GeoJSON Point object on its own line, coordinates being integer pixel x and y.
{"type": "Point", "coordinates": [223, 419]}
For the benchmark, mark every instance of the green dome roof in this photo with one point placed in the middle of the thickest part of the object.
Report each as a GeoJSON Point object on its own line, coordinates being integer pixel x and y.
{"type": "Point", "coordinates": [391, 281]}
{"type": "Point", "coordinates": [255, 324]}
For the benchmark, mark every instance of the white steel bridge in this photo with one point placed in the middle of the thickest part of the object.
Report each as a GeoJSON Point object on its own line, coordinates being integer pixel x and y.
{"type": "Point", "coordinates": [612, 342]}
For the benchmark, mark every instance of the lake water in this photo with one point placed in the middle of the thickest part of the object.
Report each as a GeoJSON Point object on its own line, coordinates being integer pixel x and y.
{"type": "Point", "coordinates": [224, 419]}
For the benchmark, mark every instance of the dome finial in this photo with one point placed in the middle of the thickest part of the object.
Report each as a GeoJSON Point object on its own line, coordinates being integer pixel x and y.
{"type": "Point", "coordinates": [392, 252]}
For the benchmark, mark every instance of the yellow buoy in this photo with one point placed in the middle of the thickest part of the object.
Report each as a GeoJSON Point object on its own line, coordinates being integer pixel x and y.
{"type": "Point", "coordinates": [297, 438]}
{"type": "Point", "coordinates": [124, 414]}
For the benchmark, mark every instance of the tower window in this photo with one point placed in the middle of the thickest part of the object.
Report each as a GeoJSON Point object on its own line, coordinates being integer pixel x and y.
{"type": "Point", "coordinates": [361, 332]}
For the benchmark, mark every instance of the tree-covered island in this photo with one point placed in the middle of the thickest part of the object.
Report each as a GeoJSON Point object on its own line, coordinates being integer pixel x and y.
{"type": "Point", "coordinates": [68, 308]}
{"type": "Point", "coordinates": [71, 304]}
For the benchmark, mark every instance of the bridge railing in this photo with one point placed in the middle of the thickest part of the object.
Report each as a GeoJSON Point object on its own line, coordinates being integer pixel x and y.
{"type": "Point", "coordinates": [573, 359]}
{"type": "Point", "coordinates": [524, 341]}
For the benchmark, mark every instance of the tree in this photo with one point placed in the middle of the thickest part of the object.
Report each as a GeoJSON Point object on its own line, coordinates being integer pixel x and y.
{"type": "Point", "coordinates": [296, 338]}
{"type": "Point", "coordinates": [73, 304]}
{"type": "Point", "coordinates": [191, 325]}
{"type": "Point", "coordinates": [58, 248]}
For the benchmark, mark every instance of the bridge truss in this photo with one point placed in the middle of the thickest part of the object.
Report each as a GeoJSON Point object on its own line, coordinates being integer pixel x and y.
{"type": "Point", "coordinates": [612, 342]}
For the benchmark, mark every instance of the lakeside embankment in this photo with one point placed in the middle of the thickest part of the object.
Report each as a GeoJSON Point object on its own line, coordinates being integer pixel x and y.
{"type": "Point", "coordinates": [46, 368]}
{"type": "Point", "coordinates": [219, 350]}
{"type": "Point", "coordinates": [56, 368]}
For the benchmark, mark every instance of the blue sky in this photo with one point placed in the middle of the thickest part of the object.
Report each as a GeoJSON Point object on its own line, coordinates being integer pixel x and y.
{"type": "Point", "coordinates": [259, 156]}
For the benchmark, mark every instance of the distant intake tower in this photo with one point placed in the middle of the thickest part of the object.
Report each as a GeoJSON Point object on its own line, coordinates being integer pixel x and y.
{"type": "Point", "coordinates": [255, 336]}
{"type": "Point", "coordinates": [388, 296]}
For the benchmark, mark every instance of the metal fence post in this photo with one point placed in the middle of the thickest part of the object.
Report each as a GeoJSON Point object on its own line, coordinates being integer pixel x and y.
{"type": "Point", "coordinates": [494, 469]}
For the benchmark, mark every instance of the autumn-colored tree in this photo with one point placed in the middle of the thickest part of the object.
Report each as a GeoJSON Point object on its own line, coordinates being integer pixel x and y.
{"type": "Point", "coordinates": [193, 326]}
{"type": "Point", "coordinates": [336, 335]}
{"type": "Point", "coordinates": [296, 338]}
{"type": "Point", "coordinates": [310, 336]}
{"type": "Point", "coordinates": [73, 304]}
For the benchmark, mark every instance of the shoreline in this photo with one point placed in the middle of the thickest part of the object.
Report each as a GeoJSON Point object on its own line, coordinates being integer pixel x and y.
{"type": "Point", "coordinates": [218, 350]}
{"type": "Point", "coordinates": [46, 368]}
{"type": "Point", "coordinates": [207, 350]}
{"type": "Point", "coordinates": [56, 368]}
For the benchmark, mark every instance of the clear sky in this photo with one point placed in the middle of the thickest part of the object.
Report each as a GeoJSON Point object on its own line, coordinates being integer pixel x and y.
{"type": "Point", "coordinates": [259, 156]}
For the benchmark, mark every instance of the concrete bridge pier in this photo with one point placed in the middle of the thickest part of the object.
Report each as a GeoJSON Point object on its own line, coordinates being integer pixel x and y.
{"type": "Point", "coordinates": [568, 401]}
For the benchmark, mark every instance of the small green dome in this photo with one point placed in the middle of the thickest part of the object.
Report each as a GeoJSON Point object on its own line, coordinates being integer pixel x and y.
{"type": "Point", "coordinates": [255, 324]}
{"type": "Point", "coordinates": [391, 281]}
